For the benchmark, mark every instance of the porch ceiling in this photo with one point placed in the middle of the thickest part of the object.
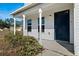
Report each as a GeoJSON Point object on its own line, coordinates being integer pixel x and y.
{"type": "Point", "coordinates": [47, 8]}
{"type": "Point", "coordinates": [31, 12]}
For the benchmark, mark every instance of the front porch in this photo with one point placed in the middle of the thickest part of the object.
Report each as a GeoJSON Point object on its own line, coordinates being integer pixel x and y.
{"type": "Point", "coordinates": [47, 11]}
{"type": "Point", "coordinates": [57, 48]}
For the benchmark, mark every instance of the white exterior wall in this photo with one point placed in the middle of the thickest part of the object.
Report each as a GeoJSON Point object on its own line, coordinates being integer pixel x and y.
{"type": "Point", "coordinates": [48, 9]}
{"type": "Point", "coordinates": [76, 29]}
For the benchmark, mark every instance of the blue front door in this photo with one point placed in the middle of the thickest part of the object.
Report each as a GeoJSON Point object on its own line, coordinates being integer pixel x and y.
{"type": "Point", "coordinates": [61, 25]}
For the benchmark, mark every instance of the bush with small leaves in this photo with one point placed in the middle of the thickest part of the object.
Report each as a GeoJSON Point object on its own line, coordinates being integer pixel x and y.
{"type": "Point", "coordinates": [27, 45]}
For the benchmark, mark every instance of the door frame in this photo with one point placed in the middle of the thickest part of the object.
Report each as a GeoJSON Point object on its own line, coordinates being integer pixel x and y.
{"type": "Point", "coordinates": [68, 20]}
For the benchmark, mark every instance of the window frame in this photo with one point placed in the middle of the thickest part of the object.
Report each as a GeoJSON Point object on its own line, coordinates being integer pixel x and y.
{"type": "Point", "coordinates": [29, 25]}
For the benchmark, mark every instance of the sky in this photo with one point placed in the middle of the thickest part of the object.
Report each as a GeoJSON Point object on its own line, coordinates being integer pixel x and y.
{"type": "Point", "coordinates": [7, 8]}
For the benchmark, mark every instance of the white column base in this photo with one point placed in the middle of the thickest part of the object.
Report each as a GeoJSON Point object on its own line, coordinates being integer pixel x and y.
{"type": "Point", "coordinates": [40, 41]}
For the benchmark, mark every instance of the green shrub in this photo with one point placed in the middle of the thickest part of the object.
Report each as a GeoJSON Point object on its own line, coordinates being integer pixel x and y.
{"type": "Point", "coordinates": [14, 40]}
{"type": "Point", "coordinates": [25, 45]}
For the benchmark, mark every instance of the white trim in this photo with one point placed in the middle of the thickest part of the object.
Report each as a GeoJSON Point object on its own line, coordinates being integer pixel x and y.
{"type": "Point", "coordinates": [23, 24]}
{"type": "Point", "coordinates": [14, 26]}
{"type": "Point", "coordinates": [40, 23]}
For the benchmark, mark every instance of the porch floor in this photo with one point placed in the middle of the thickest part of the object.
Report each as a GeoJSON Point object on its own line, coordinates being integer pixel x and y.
{"type": "Point", "coordinates": [57, 48]}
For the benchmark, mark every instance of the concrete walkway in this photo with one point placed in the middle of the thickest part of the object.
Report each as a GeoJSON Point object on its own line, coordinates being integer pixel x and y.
{"type": "Point", "coordinates": [57, 48]}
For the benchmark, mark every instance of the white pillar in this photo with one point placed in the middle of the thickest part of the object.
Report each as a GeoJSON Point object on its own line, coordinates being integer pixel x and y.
{"type": "Point", "coordinates": [40, 22]}
{"type": "Point", "coordinates": [14, 26]}
{"type": "Point", "coordinates": [23, 25]}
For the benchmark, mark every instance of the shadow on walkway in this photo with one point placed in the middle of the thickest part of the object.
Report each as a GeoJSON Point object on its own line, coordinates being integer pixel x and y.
{"type": "Point", "coordinates": [67, 45]}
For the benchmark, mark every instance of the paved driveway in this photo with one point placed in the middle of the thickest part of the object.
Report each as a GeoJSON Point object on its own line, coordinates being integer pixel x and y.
{"type": "Point", "coordinates": [57, 48]}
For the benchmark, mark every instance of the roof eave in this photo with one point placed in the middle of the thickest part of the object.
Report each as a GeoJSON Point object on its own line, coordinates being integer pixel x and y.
{"type": "Point", "coordinates": [22, 8]}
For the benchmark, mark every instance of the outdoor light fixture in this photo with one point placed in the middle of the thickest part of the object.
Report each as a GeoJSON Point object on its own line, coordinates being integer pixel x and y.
{"type": "Point", "coordinates": [50, 15]}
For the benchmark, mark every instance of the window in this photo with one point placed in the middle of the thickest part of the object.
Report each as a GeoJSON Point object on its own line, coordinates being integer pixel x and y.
{"type": "Point", "coordinates": [29, 25]}
{"type": "Point", "coordinates": [42, 25]}
{"type": "Point", "coordinates": [43, 20]}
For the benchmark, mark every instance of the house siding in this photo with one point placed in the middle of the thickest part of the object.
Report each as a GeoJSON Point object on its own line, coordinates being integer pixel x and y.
{"type": "Point", "coordinates": [48, 9]}
{"type": "Point", "coordinates": [76, 29]}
